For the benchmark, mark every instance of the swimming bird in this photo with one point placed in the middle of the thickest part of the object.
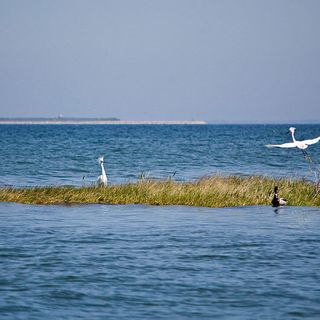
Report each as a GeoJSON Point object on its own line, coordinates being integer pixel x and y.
{"type": "Point", "coordinates": [276, 201]}
{"type": "Point", "coordinates": [302, 145]}
{"type": "Point", "coordinates": [102, 179]}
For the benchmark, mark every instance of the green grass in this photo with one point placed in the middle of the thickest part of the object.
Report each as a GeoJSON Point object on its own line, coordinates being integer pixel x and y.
{"type": "Point", "coordinates": [213, 191]}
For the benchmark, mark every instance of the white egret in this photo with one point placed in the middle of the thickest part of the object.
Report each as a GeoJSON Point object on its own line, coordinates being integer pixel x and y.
{"type": "Point", "coordinates": [102, 179]}
{"type": "Point", "coordinates": [295, 144]}
{"type": "Point", "coordinates": [276, 201]}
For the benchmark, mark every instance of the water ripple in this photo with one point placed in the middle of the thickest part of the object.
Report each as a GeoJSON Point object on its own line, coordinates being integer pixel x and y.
{"type": "Point", "coordinates": [136, 262]}
{"type": "Point", "coordinates": [56, 155]}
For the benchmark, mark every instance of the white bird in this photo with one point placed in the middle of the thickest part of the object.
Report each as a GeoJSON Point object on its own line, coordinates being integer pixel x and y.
{"type": "Point", "coordinates": [295, 144]}
{"type": "Point", "coordinates": [102, 179]}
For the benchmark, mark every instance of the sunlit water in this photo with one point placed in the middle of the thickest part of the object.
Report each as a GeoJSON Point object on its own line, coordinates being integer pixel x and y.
{"type": "Point", "coordinates": [143, 262]}
{"type": "Point", "coordinates": [67, 154]}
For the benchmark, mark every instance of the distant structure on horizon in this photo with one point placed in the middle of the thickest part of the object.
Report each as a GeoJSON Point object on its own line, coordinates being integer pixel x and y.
{"type": "Point", "coordinates": [75, 120]}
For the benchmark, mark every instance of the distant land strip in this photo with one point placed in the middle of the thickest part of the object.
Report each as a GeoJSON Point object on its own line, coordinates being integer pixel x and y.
{"type": "Point", "coordinates": [61, 121]}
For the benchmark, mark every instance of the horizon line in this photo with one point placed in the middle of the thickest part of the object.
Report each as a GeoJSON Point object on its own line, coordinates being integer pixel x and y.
{"type": "Point", "coordinates": [114, 120]}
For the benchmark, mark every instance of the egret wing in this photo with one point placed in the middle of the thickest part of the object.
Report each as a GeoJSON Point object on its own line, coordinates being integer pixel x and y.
{"type": "Point", "coordinates": [312, 141]}
{"type": "Point", "coordinates": [284, 145]}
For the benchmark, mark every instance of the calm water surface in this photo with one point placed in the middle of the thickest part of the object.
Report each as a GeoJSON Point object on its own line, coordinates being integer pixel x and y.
{"type": "Point", "coordinates": [143, 262]}
{"type": "Point", "coordinates": [67, 154]}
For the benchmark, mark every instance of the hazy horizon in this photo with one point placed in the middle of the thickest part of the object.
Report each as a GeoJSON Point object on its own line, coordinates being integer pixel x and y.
{"type": "Point", "coordinates": [115, 119]}
{"type": "Point", "coordinates": [218, 61]}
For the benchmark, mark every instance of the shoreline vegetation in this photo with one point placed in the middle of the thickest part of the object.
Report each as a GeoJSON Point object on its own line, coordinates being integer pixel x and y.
{"type": "Point", "coordinates": [215, 192]}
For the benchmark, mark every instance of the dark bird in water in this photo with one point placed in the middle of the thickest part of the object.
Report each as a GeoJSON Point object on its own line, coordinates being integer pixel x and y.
{"type": "Point", "coordinates": [276, 201]}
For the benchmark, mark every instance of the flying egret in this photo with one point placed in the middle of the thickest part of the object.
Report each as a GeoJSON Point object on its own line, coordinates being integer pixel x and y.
{"type": "Point", "coordinates": [276, 201]}
{"type": "Point", "coordinates": [302, 145]}
{"type": "Point", "coordinates": [102, 179]}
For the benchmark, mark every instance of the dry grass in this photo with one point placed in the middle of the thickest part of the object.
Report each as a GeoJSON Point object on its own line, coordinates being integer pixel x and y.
{"type": "Point", "coordinates": [207, 192]}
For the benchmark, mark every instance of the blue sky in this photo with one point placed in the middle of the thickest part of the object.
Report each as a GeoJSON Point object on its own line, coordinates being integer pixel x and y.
{"type": "Point", "coordinates": [233, 61]}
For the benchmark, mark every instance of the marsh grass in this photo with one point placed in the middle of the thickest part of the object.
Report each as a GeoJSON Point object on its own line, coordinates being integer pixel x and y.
{"type": "Point", "coordinates": [213, 191]}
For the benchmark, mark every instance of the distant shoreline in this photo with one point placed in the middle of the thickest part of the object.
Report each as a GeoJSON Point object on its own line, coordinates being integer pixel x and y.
{"type": "Point", "coordinates": [72, 121]}
{"type": "Point", "coordinates": [116, 121]}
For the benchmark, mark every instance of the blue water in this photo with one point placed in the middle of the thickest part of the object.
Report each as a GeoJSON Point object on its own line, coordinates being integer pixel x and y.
{"type": "Point", "coordinates": [56, 155]}
{"type": "Point", "coordinates": [144, 262]}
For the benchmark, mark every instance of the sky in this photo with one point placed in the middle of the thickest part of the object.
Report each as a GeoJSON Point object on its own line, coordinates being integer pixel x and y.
{"type": "Point", "coordinates": [218, 61]}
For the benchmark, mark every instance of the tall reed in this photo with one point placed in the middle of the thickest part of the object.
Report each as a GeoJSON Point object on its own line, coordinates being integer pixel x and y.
{"type": "Point", "coordinates": [213, 191]}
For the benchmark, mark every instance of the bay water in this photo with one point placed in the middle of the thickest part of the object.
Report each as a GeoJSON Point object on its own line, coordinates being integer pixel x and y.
{"type": "Point", "coordinates": [143, 262]}
{"type": "Point", "coordinates": [33, 155]}
{"type": "Point", "coordinates": [153, 262]}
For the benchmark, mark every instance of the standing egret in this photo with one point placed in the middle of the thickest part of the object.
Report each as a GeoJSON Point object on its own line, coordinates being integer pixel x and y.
{"type": "Point", "coordinates": [102, 179]}
{"type": "Point", "coordinates": [302, 145]}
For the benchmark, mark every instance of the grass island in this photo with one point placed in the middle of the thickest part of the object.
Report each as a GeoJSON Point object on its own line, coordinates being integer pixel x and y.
{"type": "Point", "coordinates": [215, 191]}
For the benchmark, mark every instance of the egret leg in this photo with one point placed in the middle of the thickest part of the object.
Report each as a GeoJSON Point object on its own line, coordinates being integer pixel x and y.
{"type": "Point", "coordinates": [306, 155]}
